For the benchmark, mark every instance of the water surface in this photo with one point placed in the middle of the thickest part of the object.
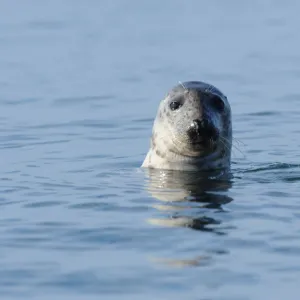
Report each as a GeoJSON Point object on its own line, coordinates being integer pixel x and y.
{"type": "Point", "coordinates": [80, 83]}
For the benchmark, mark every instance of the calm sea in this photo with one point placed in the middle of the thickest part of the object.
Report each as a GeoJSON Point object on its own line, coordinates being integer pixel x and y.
{"type": "Point", "coordinates": [80, 83]}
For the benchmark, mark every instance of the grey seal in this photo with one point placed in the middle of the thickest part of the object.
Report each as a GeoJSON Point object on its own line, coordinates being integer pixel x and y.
{"type": "Point", "coordinates": [192, 130]}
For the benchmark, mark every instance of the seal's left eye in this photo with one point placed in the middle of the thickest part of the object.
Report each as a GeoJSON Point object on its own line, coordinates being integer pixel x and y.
{"type": "Point", "coordinates": [175, 105]}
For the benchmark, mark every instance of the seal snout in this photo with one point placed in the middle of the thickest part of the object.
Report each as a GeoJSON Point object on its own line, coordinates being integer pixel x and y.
{"type": "Point", "coordinates": [201, 130]}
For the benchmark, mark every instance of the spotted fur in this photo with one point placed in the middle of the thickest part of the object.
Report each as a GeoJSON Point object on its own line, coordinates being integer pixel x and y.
{"type": "Point", "coordinates": [170, 146]}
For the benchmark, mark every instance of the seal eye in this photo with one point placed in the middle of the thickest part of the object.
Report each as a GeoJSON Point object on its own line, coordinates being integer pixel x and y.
{"type": "Point", "coordinates": [218, 103]}
{"type": "Point", "coordinates": [175, 105]}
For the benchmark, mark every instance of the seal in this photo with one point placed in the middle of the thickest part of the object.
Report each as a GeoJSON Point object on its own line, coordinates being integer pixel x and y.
{"type": "Point", "coordinates": [192, 130]}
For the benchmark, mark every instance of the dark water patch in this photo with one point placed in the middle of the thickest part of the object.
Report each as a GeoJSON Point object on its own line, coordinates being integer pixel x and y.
{"type": "Point", "coordinates": [80, 124]}
{"type": "Point", "coordinates": [26, 144]}
{"type": "Point", "coordinates": [43, 25]}
{"type": "Point", "coordinates": [18, 137]}
{"type": "Point", "coordinates": [94, 206]}
{"type": "Point", "coordinates": [265, 113]}
{"type": "Point", "coordinates": [273, 166]}
{"type": "Point", "coordinates": [287, 250]}
{"type": "Point", "coordinates": [8, 190]}
{"type": "Point", "coordinates": [38, 204]}
{"type": "Point", "coordinates": [130, 79]}
{"type": "Point", "coordinates": [71, 101]}
{"type": "Point", "coordinates": [19, 102]}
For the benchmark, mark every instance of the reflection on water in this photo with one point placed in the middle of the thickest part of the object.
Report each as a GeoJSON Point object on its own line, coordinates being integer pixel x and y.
{"type": "Point", "coordinates": [188, 196]}
{"type": "Point", "coordinates": [189, 199]}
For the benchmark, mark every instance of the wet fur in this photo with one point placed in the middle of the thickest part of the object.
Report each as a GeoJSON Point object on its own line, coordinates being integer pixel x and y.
{"type": "Point", "coordinates": [170, 147]}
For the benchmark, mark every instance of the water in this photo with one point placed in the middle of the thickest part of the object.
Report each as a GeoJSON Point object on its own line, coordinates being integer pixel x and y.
{"type": "Point", "coordinates": [80, 83]}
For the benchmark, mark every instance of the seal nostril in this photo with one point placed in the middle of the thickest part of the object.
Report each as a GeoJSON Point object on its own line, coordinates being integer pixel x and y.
{"type": "Point", "coordinates": [196, 123]}
{"type": "Point", "coordinates": [194, 129]}
{"type": "Point", "coordinates": [200, 129]}
{"type": "Point", "coordinates": [199, 125]}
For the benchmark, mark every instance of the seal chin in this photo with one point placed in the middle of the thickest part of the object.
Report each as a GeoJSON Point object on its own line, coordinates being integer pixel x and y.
{"type": "Point", "coordinates": [202, 152]}
{"type": "Point", "coordinates": [205, 144]}
{"type": "Point", "coordinates": [199, 148]}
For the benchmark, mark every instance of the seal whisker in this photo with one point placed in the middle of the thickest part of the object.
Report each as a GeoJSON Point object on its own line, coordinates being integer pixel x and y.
{"type": "Point", "coordinates": [235, 146]}
{"type": "Point", "coordinates": [239, 150]}
{"type": "Point", "coordinates": [223, 140]}
{"type": "Point", "coordinates": [238, 141]}
{"type": "Point", "coordinates": [182, 85]}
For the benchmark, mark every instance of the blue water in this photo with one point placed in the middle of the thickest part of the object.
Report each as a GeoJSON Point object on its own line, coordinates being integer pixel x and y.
{"type": "Point", "coordinates": [80, 83]}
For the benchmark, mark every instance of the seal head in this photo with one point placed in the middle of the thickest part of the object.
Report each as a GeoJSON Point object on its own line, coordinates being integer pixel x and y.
{"type": "Point", "coordinates": [192, 129]}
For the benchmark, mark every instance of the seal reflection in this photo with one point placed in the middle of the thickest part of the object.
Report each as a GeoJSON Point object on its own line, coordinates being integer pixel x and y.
{"type": "Point", "coordinates": [189, 199]}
